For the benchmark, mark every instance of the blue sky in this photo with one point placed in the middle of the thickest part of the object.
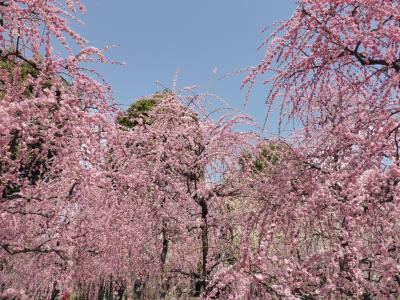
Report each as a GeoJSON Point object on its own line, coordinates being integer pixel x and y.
{"type": "Point", "coordinates": [156, 38]}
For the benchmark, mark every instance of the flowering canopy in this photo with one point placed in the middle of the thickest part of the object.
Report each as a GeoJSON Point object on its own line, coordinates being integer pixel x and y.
{"type": "Point", "coordinates": [328, 226]}
{"type": "Point", "coordinates": [93, 199]}
{"type": "Point", "coordinates": [85, 200]}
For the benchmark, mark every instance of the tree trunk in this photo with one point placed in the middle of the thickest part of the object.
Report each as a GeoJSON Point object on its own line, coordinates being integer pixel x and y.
{"type": "Point", "coordinates": [204, 243]}
{"type": "Point", "coordinates": [163, 258]}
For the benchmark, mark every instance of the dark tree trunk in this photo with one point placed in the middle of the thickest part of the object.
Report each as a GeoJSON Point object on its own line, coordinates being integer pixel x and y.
{"type": "Point", "coordinates": [204, 243]}
{"type": "Point", "coordinates": [165, 243]}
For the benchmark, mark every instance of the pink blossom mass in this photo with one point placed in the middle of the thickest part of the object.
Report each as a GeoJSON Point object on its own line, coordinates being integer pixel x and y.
{"type": "Point", "coordinates": [171, 199]}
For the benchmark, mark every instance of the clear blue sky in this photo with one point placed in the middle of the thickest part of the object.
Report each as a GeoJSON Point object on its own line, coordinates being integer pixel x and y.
{"type": "Point", "coordinates": [158, 37]}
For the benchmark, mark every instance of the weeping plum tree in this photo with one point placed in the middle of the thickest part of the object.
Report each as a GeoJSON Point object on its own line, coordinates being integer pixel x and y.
{"type": "Point", "coordinates": [88, 206]}
{"type": "Point", "coordinates": [188, 161]}
{"type": "Point", "coordinates": [328, 226]}
{"type": "Point", "coordinates": [51, 134]}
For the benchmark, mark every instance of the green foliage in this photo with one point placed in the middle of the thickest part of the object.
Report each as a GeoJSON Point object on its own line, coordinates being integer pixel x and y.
{"type": "Point", "coordinates": [267, 156]}
{"type": "Point", "coordinates": [140, 109]}
{"type": "Point", "coordinates": [125, 122]}
{"type": "Point", "coordinates": [28, 69]}
{"type": "Point", "coordinates": [5, 64]}
{"type": "Point", "coordinates": [25, 69]}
